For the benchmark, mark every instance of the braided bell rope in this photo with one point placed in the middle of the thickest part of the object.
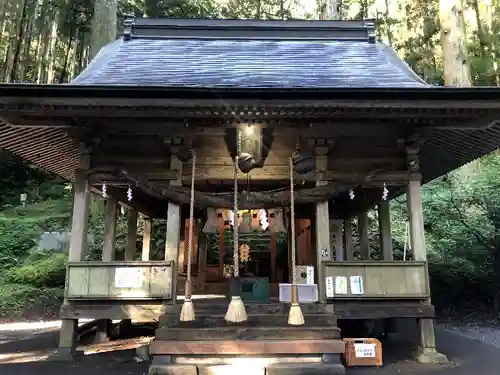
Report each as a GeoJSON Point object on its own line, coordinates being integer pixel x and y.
{"type": "Point", "coordinates": [191, 224]}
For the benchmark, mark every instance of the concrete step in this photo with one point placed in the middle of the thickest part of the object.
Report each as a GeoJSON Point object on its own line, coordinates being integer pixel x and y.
{"type": "Point", "coordinates": [248, 333]}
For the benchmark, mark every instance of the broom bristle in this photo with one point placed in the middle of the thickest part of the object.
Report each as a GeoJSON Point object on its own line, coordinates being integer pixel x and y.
{"type": "Point", "coordinates": [236, 311]}
{"type": "Point", "coordinates": [187, 311]}
{"type": "Point", "coordinates": [295, 316]}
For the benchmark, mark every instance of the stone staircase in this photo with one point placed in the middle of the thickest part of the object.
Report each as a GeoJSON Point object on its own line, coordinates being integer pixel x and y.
{"type": "Point", "coordinates": [209, 343]}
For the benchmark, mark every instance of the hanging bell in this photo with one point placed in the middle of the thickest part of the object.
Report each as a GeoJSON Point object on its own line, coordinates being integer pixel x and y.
{"type": "Point", "coordinates": [211, 223]}
{"type": "Point", "coordinates": [246, 162]}
{"type": "Point", "coordinates": [275, 220]}
{"type": "Point", "coordinates": [183, 154]}
{"type": "Point", "coordinates": [303, 162]}
{"type": "Point", "coordinates": [245, 225]}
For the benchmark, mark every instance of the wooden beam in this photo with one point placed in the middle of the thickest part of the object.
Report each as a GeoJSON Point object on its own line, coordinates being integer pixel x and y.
{"type": "Point", "coordinates": [268, 172]}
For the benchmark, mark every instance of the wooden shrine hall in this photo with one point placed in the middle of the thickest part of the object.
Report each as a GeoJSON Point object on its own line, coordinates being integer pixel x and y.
{"type": "Point", "coordinates": [260, 143]}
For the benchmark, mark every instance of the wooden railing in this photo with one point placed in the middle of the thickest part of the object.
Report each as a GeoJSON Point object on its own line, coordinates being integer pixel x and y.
{"type": "Point", "coordinates": [135, 280]}
{"type": "Point", "coordinates": [378, 279]}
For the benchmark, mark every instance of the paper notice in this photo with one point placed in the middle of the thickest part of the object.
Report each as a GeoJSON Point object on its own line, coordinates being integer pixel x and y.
{"type": "Point", "coordinates": [341, 285]}
{"type": "Point", "coordinates": [365, 350]}
{"type": "Point", "coordinates": [329, 286]}
{"type": "Point", "coordinates": [128, 277]}
{"type": "Point", "coordinates": [310, 275]}
{"type": "Point", "coordinates": [357, 285]}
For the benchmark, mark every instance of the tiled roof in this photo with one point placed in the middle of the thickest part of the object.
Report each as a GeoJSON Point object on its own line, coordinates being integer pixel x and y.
{"type": "Point", "coordinates": [248, 63]}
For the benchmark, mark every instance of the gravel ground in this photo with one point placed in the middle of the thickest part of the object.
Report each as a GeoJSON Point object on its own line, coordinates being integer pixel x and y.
{"type": "Point", "coordinates": [479, 332]}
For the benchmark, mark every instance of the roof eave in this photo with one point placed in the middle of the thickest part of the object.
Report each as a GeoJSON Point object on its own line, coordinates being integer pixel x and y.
{"type": "Point", "coordinates": [43, 93]}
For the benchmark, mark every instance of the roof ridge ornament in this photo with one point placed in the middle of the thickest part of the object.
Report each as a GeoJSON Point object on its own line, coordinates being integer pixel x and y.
{"type": "Point", "coordinates": [128, 26]}
{"type": "Point", "coordinates": [370, 30]}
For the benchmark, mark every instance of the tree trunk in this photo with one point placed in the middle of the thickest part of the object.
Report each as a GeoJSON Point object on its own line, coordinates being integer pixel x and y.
{"type": "Point", "coordinates": [455, 55]}
{"type": "Point", "coordinates": [331, 10]}
{"type": "Point", "coordinates": [103, 24]}
{"type": "Point", "coordinates": [19, 42]}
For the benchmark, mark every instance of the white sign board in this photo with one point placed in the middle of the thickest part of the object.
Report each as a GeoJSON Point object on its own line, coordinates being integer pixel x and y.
{"type": "Point", "coordinates": [128, 277]}
{"type": "Point", "coordinates": [357, 285]}
{"type": "Point", "coordinates": [340, 285]}
{"type": "Point", "coordinates": [310, 275]}
{"type": "Point", "coordinates": [329, 286]}
{"type": "Point", "coordinates": [365, 350]}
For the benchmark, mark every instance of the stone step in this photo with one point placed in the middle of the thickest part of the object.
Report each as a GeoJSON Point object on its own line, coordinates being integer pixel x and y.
{"type": "Point", "coordinates": [220, 308]}
{"type": "Point", "coordinates": [254, 320]}
{"type": "Point", "coordinates": [248, 333]}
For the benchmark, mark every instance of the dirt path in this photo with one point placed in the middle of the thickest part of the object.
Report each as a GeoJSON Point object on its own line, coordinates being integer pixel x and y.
{"type": "Point", "coordinates": [23, 352]}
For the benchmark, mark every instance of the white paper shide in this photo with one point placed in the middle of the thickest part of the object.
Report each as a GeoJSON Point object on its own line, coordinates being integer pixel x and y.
{"type": "Point", "coordinates": [365, 350]}
{"type": "Point", "coordinates": [128, 277]}
{"type": "Point", "coordinates": [357, 285]}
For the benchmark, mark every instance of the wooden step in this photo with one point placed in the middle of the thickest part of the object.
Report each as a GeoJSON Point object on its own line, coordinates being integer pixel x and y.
{"type": "Point", "coordinates": [248, 333]}
{"type": "Point", "coordinates": [246, 347]}
{"type": "Point", "coordinates": [220, 308]}
{"type": "Point", "coordinates": [254, 320]}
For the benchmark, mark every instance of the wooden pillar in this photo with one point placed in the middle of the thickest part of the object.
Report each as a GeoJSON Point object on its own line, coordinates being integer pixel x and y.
{"type": "Point", "coordinates": [427, 341]}
{"type": "Point", "coordinates": [131, 248]}
{"type": "Point", "coordinates": [146, 239]}
{"type": "Point", "coordinates": [323, 250]}
{"type": "Point", "coordinates": [109, 240]}
{"type": "Point", "coordinates": [173, 234]}
{"type": "Point", "coordinates": [349, 250]}
{"type": "Point", "coordinates": [222, 251]}
{"type": "Point", "coordinates": [108, 255]}
{"type": "Point", "coordinates": [417, 236]}
{"type": "Point", "coordinates": [384, 226]}
{"type": "Point", "coordinates": [77, 248]}
{"type": "Point", "coordinates": [364, 244]}
{"type": "Point", "coordinates": [274, 250]}
{"type": "Point", "coordinates": [202, 248]}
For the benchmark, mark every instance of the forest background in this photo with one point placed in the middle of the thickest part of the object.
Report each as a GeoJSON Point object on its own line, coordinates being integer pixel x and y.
{"type": "Point", "coordinates": [447, 42]}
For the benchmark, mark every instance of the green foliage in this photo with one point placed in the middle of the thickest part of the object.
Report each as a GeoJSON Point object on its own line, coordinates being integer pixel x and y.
{"type": "Point", "coordinates": [40, 270]}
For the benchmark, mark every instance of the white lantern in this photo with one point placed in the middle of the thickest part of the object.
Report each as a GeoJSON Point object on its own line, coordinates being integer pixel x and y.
{"type": "Point", "coordinates": [275, 219]}
{"type": "Point", "coordinates": [211, 223]}
{"type": "Point", "coordinates": [245, 226]}
{"type": "Point", "coordinates": [264, 223]}
{"type": "Point", "coordinates": [228, 217]}
{"type": "Point", "coordinates": [255, 223]}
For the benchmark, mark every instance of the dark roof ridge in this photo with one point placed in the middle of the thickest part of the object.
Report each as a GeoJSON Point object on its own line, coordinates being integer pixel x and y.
{"type": "Point", "coordinates": [179, 28]}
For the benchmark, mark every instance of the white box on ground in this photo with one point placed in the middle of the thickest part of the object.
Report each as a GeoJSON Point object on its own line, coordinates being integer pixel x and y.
{"type": "Point", "coordinates": [307, 293]}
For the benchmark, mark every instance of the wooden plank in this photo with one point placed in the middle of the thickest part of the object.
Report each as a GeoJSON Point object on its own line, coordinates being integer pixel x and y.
{"type": "Point", "coordinates": [247, 347]}
{"type": "Point", "coordinates": [144, 312]}
{"type": "Point", "coordinates": [99, 281]}
{"type": "Point", "coordinates": [96, 280]}
{"type": "Point", "coordinates": [78, 282]}
{"type": "Point", "coordinates": [383, 279]}
{"type": "Point", "coordinates": [160, 281]}
{"type": "Point", "coordinates": [248, 333]}
{"type": "Point", "coordinates": [383, 310]}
